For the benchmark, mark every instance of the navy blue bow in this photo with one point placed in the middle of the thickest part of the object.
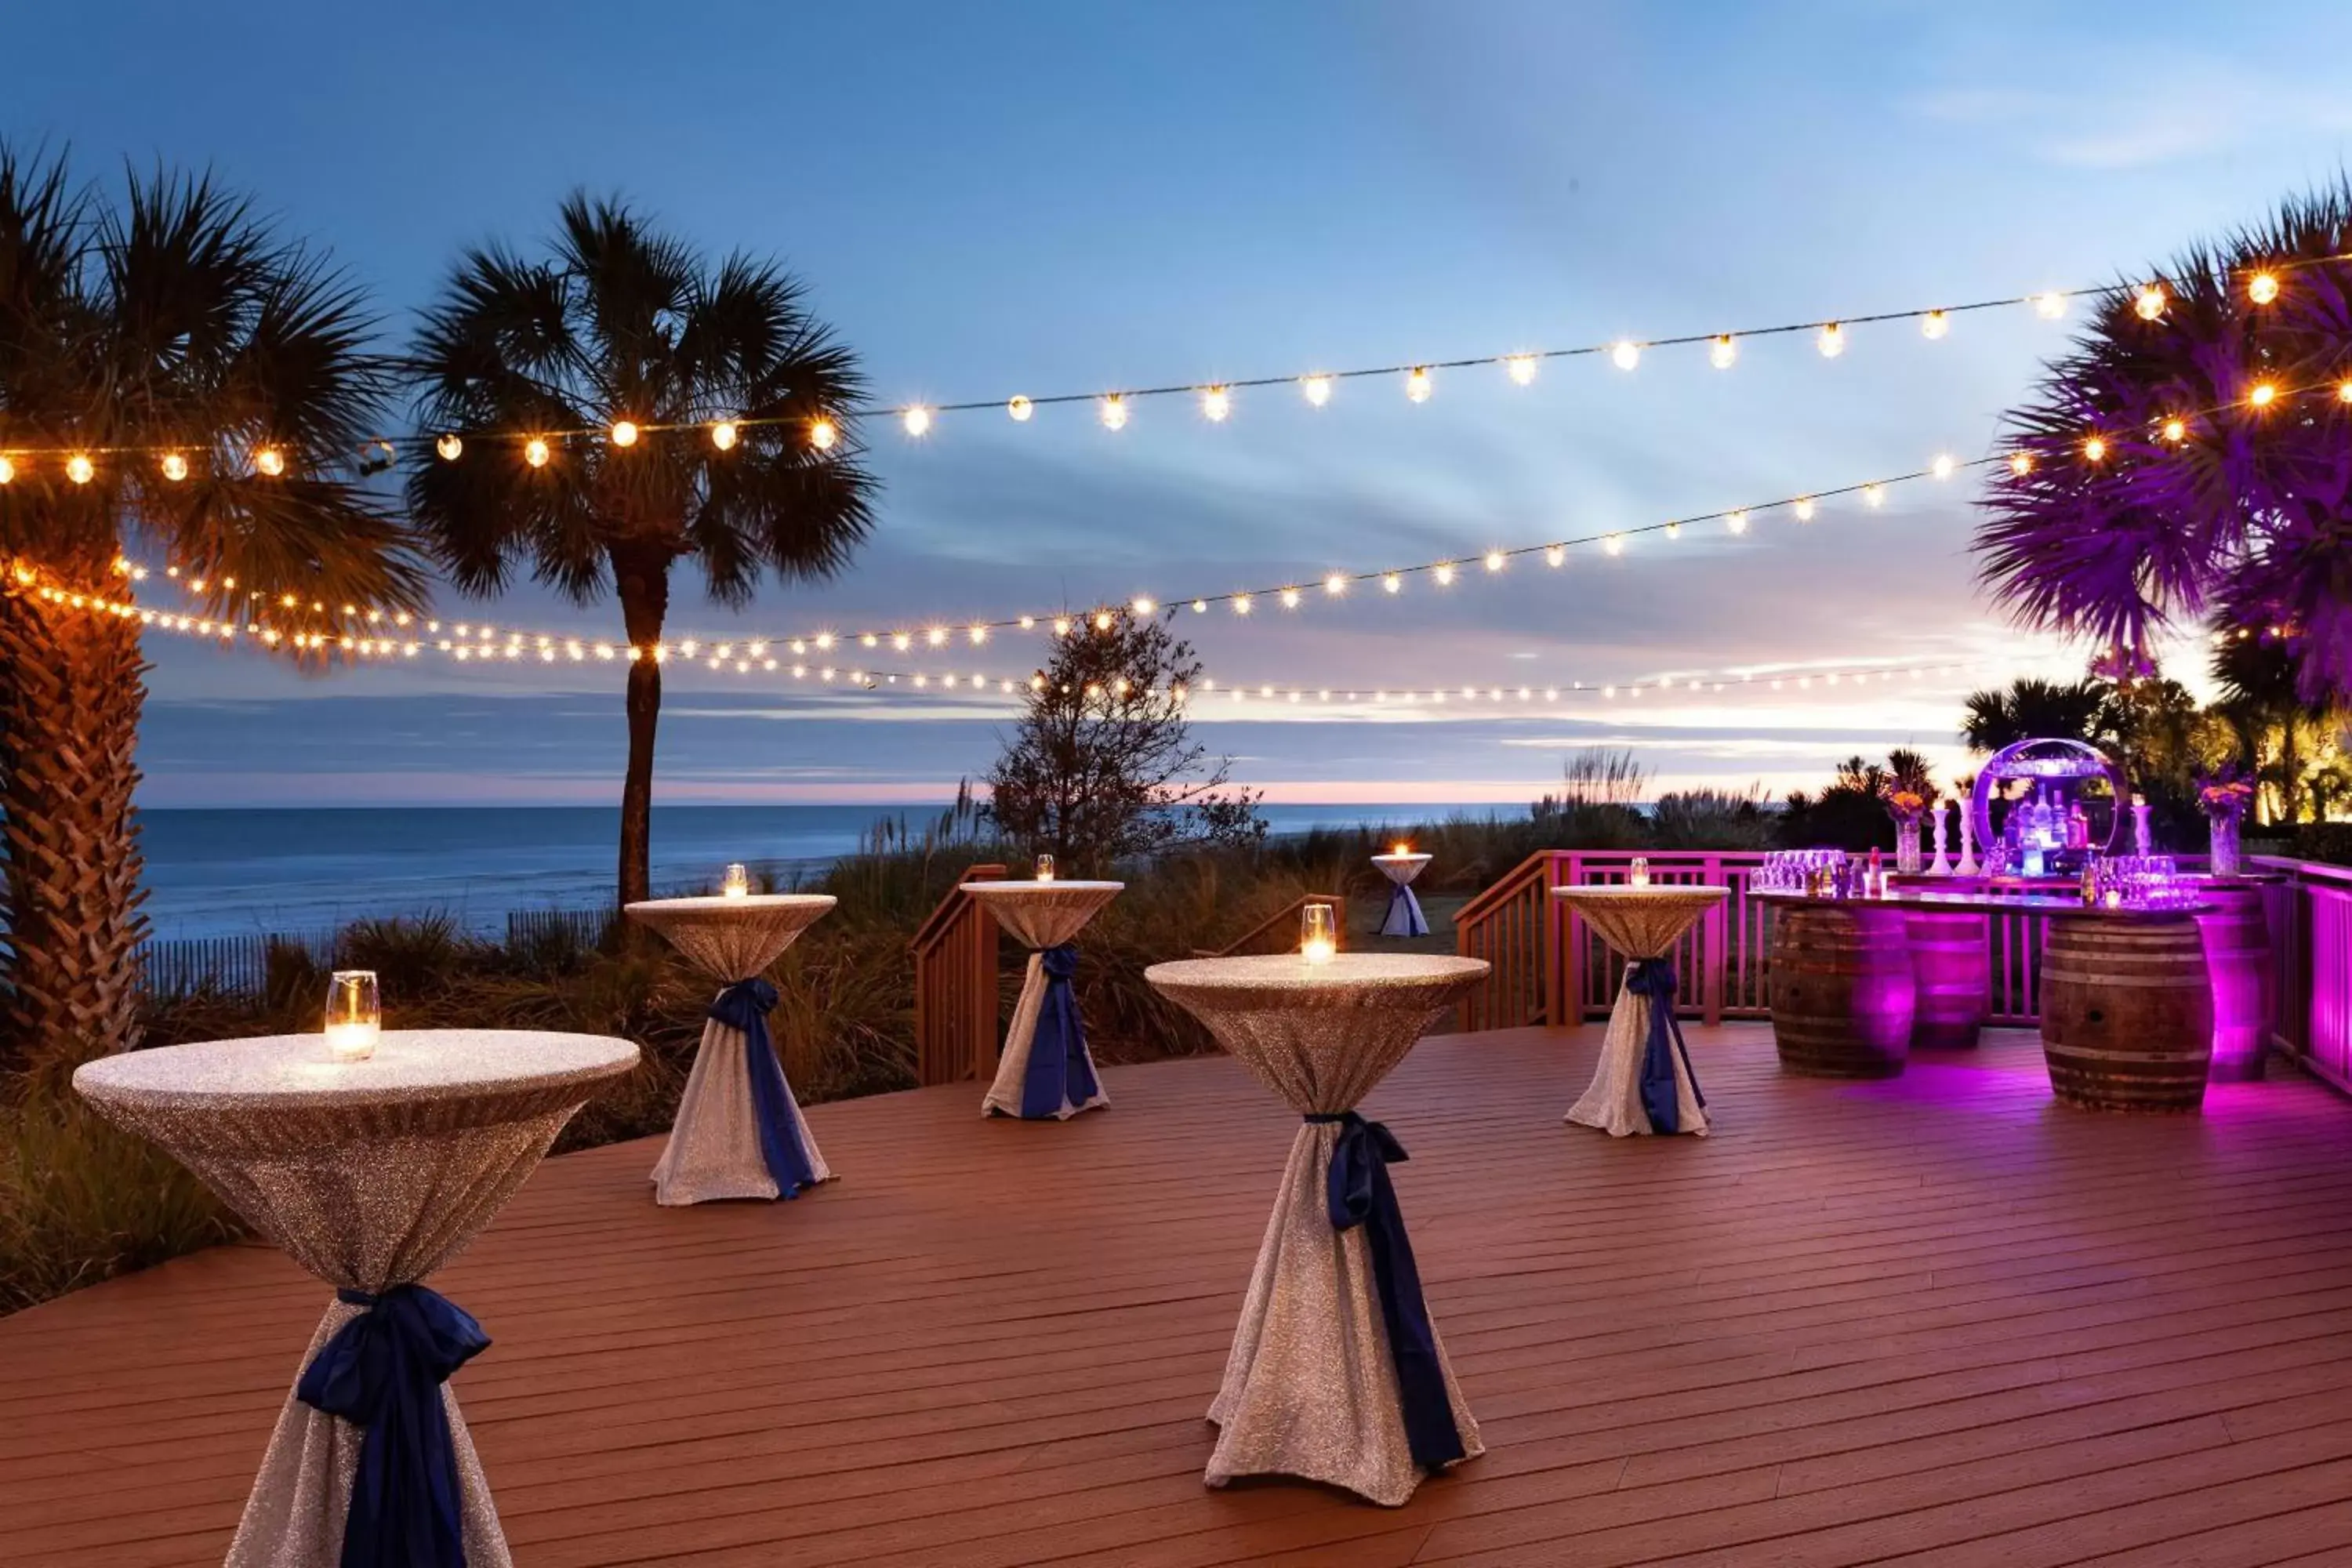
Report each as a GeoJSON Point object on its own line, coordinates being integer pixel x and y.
{"type": "Point", "coordinates": [383, 1373]}
{"type": "Point", "coordinates": [745, 1006]}
{"type": "Point", "coordinates": [1060, 1072]}
{"type": "Point", "coordinates": [1655, 978]}
{"type": "Point", "coordinates": [1359, 1192]}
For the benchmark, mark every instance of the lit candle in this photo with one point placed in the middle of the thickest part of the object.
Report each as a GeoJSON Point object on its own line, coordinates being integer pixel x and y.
{"type": "Point", "coordinates": [1318, 939]}
{"type": "Point", "coordinates": [737, 884]}
{"type": "Point", "coordinates": [1640, 875]}
{"type": "Point", "coordinates": [354, 1017]}
{"type": "Point", "coordinates": [1044, 867]}
{"type": "Point", "coordinates": [2114, 898]}
{"type": "Point", "coordinates": [1401, 849]}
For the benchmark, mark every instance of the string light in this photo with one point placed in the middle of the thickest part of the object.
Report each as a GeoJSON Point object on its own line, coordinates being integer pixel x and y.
{"type": "Point", "coordinates": [1495, 561]}
{"type": "Point", "coordinates": [1114, 412]}
{"type": "Point", "coordinates": [175, 467]}
{"type": "Point", "coordinates": [1723, 351]}
{"type": "Point", "coordinates": [80, 470]}
{"type": "Point", "coordinates": [2050, 305]}
{"type": "Point", "coordinates": [624, 433]}
{"type": "Point", "coordinates": [1943, 466]}
{"type": "Point", "coordinates": [2262, 288]}
{"type": "Point", "coordinates": [1933, 325]}
{"type": "Point", "coordinates": [1803, 507]}
{"type": "Point", "coordinates": [723, 434]}
{"type": "Point", "coordinates": [1872, 496]}
{"type": "Point", "coordinates": [1736, 521]}
{"type": "Point", "coordinates": [1335, 584]}
{"type": "Point", "coordinates": [2021, 463]}
{"type": "Point", "coordinates": [7, 471]}
{"type": "Point", "coordinates": [1417, 385]}
{"type": "Point", "coordinates": [1444, 572]}
{"type": "Point", "coordinates": [451, 448]}
{"type": "Point", "coordinates": [1215, 404]}
{"type": "Point", "coordinates": [270, 460]}
{"type": "Point", "coordinates": [823, 432]}
{"type": "Point", "coordinates": [1318, 389]}
{"type": "Point", "coordinates": [2261, 394]}
{"type": "Point", "coordinates": [2175, 429]}
{"type": "Point", "coordinates": [1554, 554]}
{"type": "Point", "coordinates": [1391, 582]}
{"type": "Point", "coordinates": [1626, 353]}
{"type": "Point", "coordinates": [1521, 368]}
{"type": "Point", "coordinates": [2095, 448]}
{"type": "Point", "coordinates": [535, 453]}
{"type": "Point", "coordinates": [1831, 342]}
{"type": "Point", "coordinates": [1020, 409]}
{"type": "Point", "coordinates": [917, 420]}
{"type": "Point", "coordinates": [2149, 302]}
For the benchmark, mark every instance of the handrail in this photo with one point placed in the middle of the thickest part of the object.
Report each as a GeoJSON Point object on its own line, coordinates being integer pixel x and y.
{"type": "Point", "coordinates": [1279, 931]}
{"type": "Point", "coordinates": [956, 987]}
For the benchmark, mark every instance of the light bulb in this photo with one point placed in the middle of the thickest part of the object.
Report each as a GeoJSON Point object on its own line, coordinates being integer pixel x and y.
{"type": "Point", "coordinates": [918, 420]}
{"type": "Point", "coordinates": [270, 461]}
{"type": "Point", "coordinates": [1626, 354]}
{"type": "Point", "coordinates": [80, 470]}
{"type": "Point", "coordinates": [1290, 598]}
{"type": "Point", "coordinates": [2051, 305]}
{"type": "Point", "coordinates": [1724, 352]}
{"type": "Point", "coordinates": [1736, 521]}
{"type": "Point", "coordinates": [1393, 583]}
{"type": "Point", "coordinates": [1805, 508]}
{"type": "Point", "coordinates": [723, 434]}
{"type": "Point", "coordinates": [1831, 342]}
{"type": "Point", "coordinates": [1615, 544]}
{"type": "Point", "coordinates": [1933, 325]}
{"type": "Point", "coordinates": [1215, 404]}
{"type": "Point", "coordinates": [175, 467]}
{"type": "Point", "coordinates": [1240, 604]}
{"type": "Point", "coordinates": [1494, 560]}
{"type": "Point", "coordinates": [1114, 412]}
{"type": "Point", "coordinates": [534, 452]}
{"type": "Point", "coordinates": [1020, 409]}
{"type": "Point", "coordinates": [1873, 495]}
{"type": "Point", "coordinates": [2261, 394]}
{"type": "Point", "coordinates": [625, 433]}
{"type": "Point", "coordinates": [1942, 467]}
{"type": "Point", "coordinates": [1444, 572]}
{"type": "Point", "coordinates": [1200, 606]}
{"type": "Point", "coordinates": [1417, 385]}
{"type": "Point", "coordinates": [2175, 429]}
{"type": "Point", "coordinates": [1673, 530]}
{"type": "Point", "coordinates": [7, 471]}
{"type": "Point", "coordinates": [1521, 368]}
{"type": "Point", "coordinates": [450, 447]}
{"type": "Point", "coordinates": [1335, 584]}
{"type": "Point", "coordinates": [2149, 302]}
{"type": "Point", "coordinates": [1061, 625]}
{"type": "Point", "coordinates": [2021, 463]}
{"type": "Point", "coordinates": [2095, 448]}
{"type": "Point", "coordinates": [1102, 620]}
{"type": "Point", "coordinates": [1318, 389]}
{"type": "Point", "coordinates": [1144, 606]}
{"type": "Point", "coordinates": [1555, 554]}
{"type": "Point", "coordinates": [2262, 288]}
{"type": "Point", "coordinates": [823, 432]}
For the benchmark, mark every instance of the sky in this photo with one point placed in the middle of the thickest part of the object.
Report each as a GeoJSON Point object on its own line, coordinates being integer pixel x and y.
{"type": "Point", "coordinates": [1043, 199]}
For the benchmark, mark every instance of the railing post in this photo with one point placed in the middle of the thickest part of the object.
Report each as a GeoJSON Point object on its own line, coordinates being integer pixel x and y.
{"type": "Point", "coordinates": [1555, 1008]}
{"type": "Point", "coordinates": [1711, 948]}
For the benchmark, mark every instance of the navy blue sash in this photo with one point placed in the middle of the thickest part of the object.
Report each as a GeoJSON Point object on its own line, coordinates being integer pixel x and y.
{"type": "Point", "coordinates": [1060, 1072]}
{"type": "Point", "coordinates": [383, 1373]}
{"type": "Point", "coordinates": [745, 1006]}
{"type": "Point", "coordinates": [1404, 917]}
{"type": "Point", "coordinates": [1359, 1192]}
{"type": "Point", "coordinates": [1655, 978]}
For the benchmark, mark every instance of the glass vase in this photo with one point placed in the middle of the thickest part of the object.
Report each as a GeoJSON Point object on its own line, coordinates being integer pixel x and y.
{"type": "Point", "coordinates": [1908, 860]}
{"type": "Point", "coordinates": [2225, 860]}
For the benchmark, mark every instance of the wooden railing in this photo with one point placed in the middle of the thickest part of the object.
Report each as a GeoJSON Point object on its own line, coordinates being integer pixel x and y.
{"type": "Point", "coordinates": [1547, 968]}
{"type": "Point", "coordinates": [1278, 932]}
{"type": "Point", "coordinates": [956, 987]}
{"type": "Point", "coordinates": [2310, 918]}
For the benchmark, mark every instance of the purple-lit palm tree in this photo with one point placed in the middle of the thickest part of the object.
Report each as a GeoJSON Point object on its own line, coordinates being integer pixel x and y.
{"type": "Point", "coordinates": [2191, 459]}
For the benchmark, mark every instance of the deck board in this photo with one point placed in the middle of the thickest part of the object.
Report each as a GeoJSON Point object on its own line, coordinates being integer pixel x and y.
{"type": "Point", "coordinates": [1939, 1319]}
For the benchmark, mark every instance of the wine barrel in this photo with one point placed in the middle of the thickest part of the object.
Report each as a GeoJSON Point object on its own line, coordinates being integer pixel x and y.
{"type": "Point", "coordinates": [1953, 966]}
{"type": "Point", "coordinates": [2127, 1013]}
{"type": "Point", "coordinates": [2238, 959]}
{"type": "Point", "coordinates": [1841, 989]}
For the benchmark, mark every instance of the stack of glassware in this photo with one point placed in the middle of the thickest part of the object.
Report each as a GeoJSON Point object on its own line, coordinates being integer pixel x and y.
{"type": "Point", "coordinates": [2143, 882]}
{"type": "Point", "coordinates": [1797, 870]}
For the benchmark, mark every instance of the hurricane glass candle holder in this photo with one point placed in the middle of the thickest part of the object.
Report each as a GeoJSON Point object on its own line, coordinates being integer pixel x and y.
{"type": "Point", "coordinates": [737, 884]}
{"type": "Point", "coordinates": [1319, 936]}
{"type": "Point", "coordinates": [355, 1015]}
{"type": "Point", "coordinates": [1044, 867]}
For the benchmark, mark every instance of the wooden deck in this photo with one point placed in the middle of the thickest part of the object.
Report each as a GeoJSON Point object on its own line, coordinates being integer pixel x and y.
{"type": "Point", "coordinates": [1933, 1321]}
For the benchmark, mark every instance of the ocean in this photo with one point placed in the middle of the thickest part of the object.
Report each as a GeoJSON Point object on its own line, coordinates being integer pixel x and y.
{"type": "Point", "coordinates": [230, 872]}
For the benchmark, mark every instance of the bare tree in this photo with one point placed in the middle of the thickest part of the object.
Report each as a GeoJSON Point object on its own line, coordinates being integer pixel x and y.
{"type": "Point", "coordinates": [1102, 766]}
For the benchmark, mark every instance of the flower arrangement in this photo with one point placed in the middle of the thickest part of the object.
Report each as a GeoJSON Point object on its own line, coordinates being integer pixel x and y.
{"type": "Point", "coordinates": [2226, 793]}
{"type": "Point", "coordinates": [1905, 806]}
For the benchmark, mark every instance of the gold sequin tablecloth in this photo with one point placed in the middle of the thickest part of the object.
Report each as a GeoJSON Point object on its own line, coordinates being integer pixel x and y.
{"type": "Point", "coordinates": [1641, 923]}
{"type": "Point", "coordinates": [1310, 1387]}
{"type": "Point", "coordinates": [1041, 915]}
{"type": "Point", "coordinates": [714, 1149]}
{"type": "Point", "coordinates": [369, 1174]}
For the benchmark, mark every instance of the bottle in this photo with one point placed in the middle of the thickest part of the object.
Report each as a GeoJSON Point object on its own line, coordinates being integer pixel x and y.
{"type": "Point", "coordinates": [1873, 881]}
{"type": "Point", "coordinates": [2091, 881]}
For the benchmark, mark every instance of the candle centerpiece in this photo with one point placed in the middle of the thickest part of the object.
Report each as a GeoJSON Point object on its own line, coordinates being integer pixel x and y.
{"type": "Point", "coordinates": [1638, 876]}
{"type": "Point", "coordinates": [355, 1015]}
{"type": "Point", "coordinates": [738, 883]}
{"type": "Point", "coordinates": [1318, 937]}
{"type": "Point", "coordinates": [1044, 867]}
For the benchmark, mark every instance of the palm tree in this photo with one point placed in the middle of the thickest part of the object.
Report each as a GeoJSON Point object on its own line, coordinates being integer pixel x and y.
{"type": "Point", "coordinates": [621, 324]}
{"type": "Point", "coordinates": [2191, 457]}
{"type": "Point", "coordinates": [166, 317]}
{"type": "Point", "coordinates": [2029, 709]}
{"type": "Point", "coordinates": [2277, 731]}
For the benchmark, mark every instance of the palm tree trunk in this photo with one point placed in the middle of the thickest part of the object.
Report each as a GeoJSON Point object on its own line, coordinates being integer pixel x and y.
{"type": "Point", "coordinates": [641, 575]}
{"type": "Point", "coordinates": [69, 707]}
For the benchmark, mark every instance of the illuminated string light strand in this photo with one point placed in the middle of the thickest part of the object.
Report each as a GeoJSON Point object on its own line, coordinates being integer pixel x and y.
{"type": "Point", "coordinates": [1115, 407]}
